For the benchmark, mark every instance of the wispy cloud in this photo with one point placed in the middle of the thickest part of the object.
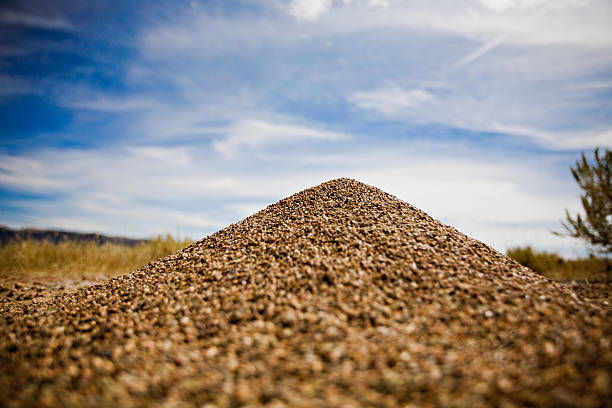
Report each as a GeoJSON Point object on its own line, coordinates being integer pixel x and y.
{"type": "Point", "coordinates": [177, 189]}
{"type": "Point", "coordinates": [391, 100]}
{"type": "Point", "coordinates": [536, 10]}
{"type": "Point", "coordinates": [207, 105]}
{"type": "Point", "coordinates": [578, 22]}
{"type": "Point", "coordinates": [501, 6]}
{"type": "Point", "coordinates": [107, 103]}
{"type": "Point", "coordinates": [593, 85]}
{"type": "Point", "coordinates": [309, 9]}
{"type": "Point", "coordinates": [31, 20]}
{"type": "Point", "coordinates": [520, 87]}
{"type": "Point", "coordinates": [567, 139]}
{"type": "Point", "coordinates": [463, 111]}
{"type": "Point", "coordinates": [251, 134]}
{"type": "Point", "coordinates": [11, 85]}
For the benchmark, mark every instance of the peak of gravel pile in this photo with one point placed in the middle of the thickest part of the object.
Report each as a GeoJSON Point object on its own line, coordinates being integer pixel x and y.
{"type": "Point", "coordinates": [340, 295]}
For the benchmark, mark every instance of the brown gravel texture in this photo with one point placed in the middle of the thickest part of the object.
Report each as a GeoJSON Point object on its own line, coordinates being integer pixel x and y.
{"type": "Point", "coordinates": [24, 290]}
{"type": "Point", "coordinates": [340, 295]}
{"type": "Point", "coordinates": [598, 292]}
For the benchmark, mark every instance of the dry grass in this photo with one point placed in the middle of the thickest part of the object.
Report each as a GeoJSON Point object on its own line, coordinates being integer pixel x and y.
{"type": "Point", "coordinates": [71, 260]}
{"type": "Point", "coordinates": [555, 267]}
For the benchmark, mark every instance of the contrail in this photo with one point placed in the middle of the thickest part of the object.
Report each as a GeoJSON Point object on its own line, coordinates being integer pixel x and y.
{"type": "Point", "coordinates": [479, 52]}
{"type": "Point", "coordinates": [496, 42]}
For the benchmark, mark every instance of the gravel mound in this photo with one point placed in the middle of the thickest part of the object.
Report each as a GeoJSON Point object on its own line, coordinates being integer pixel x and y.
{"type": "Point", "coordinates": [340, 295]}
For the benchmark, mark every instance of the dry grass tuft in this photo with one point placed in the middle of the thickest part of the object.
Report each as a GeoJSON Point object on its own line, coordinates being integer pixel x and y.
{"type": "Point", "coordinates": [73, 260]}
{"type": "Point", "coordinates": [555, 267]}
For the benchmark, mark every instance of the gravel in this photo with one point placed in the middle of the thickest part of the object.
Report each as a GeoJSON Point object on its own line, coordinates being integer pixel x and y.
{"type": "Point", "coordinates": [340, 295]}
{"type": "Point", "coordinates": [15, 291]}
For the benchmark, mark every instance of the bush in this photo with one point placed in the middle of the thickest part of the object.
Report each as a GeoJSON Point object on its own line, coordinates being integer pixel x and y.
{"type": "Point", "coordinates": [595, 227]}
{"type": "Point", "coordinates": [555, 267]}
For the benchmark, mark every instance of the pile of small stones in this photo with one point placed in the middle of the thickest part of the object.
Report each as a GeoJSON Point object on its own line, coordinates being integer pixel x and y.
{"type": "Point", "coordinates": [340, 295]}
{"type": "Point", "coordinates": [597, 291]}
{"type": "Point", "coordinates": [18, 292]}
{"type": "Point", "coordinates": [21, 291]}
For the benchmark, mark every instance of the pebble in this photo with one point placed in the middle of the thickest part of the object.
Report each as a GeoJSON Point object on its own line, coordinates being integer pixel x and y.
{"type": "Point", "coordinates": [340, 295]}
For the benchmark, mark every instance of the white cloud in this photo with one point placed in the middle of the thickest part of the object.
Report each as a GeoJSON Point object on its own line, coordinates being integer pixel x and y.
{"type": "Point", "coordinates": [246, 208]}
{"type": "Point", "coordinates": [596, 85]}
{"type": "Point", "coordinates": [309, 9]}
{"type": "Point", "coordinates": [501, 6]}
{"type": "Point", "coordinates": [524, 22]}
{"type": "Point", "coordinates": [483, 114]}
{"type": "Point", "coordinates": [153, 189]}
{"type": "Point", "coordinates": [568, 28]}
{"type": "Point", "coordinates": [484, 66]}
{"type": "Point", "coordinates": [568, 139]}
{"type": "Point", "coordinates": [251, 134]}
{"type": "Point", "coordinates": [175, 157]}
{"type": "Point", "coordinates": [272, 93]}
{"type": "Point", "coordinates": [391, 100]}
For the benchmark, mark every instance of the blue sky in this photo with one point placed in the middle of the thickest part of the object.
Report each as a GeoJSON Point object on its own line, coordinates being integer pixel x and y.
{"type": "Point", "coordinates": [139, 118]}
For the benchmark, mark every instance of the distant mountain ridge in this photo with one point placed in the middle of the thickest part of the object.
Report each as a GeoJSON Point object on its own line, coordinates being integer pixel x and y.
{"type": "Point", "coordinates": [8, 235]}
